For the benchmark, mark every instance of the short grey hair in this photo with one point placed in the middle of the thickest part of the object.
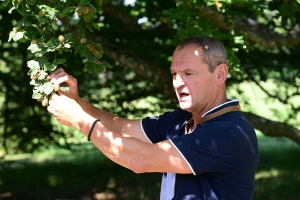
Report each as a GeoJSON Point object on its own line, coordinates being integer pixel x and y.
{"type": "Point", "coordinates": [213, 51]}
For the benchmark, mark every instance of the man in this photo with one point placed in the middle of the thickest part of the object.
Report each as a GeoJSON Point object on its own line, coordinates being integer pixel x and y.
{"type": "Point", "coordinates": [206, 149]}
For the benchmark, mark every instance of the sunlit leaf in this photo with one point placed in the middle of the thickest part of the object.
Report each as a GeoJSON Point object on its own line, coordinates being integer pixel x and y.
{"type": "Point", "coordinates": [32, 64]}
{"type": "Point", "coordinates": [35, 82]}
{"type": "Point", "coordinates": [34, 48]}
{"type": "Point", "coordinates": [67, 45]}
{"type": "Point", "coordinates": [48, 88]}
{"type": "Point", "coordinates": [36, 95]}
{"type": "Point", "coordinates": [18, 36]}
{"type": "Point", "coordinates": [42, 75]}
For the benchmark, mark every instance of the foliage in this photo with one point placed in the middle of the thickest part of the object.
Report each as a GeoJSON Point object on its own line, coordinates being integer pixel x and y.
{"type": "Point", "coordinates": [41, 22]}
{"type": "Point", "coordinates": [261, 38]}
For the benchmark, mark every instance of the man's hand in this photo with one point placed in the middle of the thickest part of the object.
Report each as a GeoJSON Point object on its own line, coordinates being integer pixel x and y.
{"type": "Point", "coordinates": [67, 111]}
{"type": "Point", "coordinates": [65, 106]}
{"type": "Point", "coordinates": [58, 77]}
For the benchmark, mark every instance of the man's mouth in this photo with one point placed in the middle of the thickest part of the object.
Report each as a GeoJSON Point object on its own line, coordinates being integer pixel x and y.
{"type": "Point", "coordinates": [183, 95]}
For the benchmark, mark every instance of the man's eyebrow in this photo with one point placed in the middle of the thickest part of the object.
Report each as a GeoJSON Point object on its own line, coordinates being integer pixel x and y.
{"type": "Point", "coordinates": [185, 70]}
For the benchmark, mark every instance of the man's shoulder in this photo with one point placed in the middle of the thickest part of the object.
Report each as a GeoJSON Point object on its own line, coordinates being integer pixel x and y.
{"type": "Point", "coordinates": [175, 114]}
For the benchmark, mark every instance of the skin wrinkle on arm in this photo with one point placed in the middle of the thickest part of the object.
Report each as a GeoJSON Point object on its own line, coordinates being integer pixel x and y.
{"type": "Point", "coordinates": [136, 155]}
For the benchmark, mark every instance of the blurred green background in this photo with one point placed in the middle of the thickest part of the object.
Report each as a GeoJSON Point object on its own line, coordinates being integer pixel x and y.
{"type": "Point", "coordinates": [41, 159]}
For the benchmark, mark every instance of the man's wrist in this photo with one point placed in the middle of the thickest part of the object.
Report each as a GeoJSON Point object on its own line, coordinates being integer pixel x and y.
{"type": "Point", "coordinates": [91, 129]}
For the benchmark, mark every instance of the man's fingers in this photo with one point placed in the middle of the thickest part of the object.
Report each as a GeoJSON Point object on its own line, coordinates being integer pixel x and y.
{"type": "Point", "coordinates": [54, 74]}
{"type": "Point", "coordinates": [59, 76]}
{"type": "Point", "coordinates": [53, 95]}
{"type": "Point", "coordinates": [50, 109]}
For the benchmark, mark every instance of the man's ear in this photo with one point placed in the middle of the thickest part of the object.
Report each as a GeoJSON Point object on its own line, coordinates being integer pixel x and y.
{"type": "Point", "coordinates": [222, 73]}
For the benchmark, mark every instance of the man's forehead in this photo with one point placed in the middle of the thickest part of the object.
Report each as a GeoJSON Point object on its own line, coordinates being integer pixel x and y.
{"type": "Point", "coordinates": [188, 51]}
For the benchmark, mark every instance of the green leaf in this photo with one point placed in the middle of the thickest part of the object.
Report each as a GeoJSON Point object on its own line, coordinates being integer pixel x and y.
{"type": "Point", "coordinates": [59, 61]}
{"type": "Point", "coordinates": [48, 88]}
{"type": "Point", "coordinates": [5, 3]}
{"type": "Point", "coordinates": [19, 23]}
{"type": "Point", "coordinates": [11, 35]}
{"type": "Point", "coordinates": [67, 11]}
{"type": "Point", "coordinates": [96, 26]}
{"type": "Point", "coordinates": [105, 64]}
{"type": "Point", "coordinates": [35, 82]}
{"type": "Point", "coordinates": [52, 41]}
{"type": "Point", "coordinates": [22, 9]}
{"type": "Point", "coordinates": [27, 22]}
{"type": "Point", "coordinates": [89, 26]}
{"type": "Point", "coordinates": [52, 67]}
{"type": "Point", "coordinates": [83, 2]}
{"type": "Point", "coordinates": [93, 67]}
{"type": "Point", "coordinates": [31, 71]}
{"type": "Point", "coordinates": [12, 8]}
{"type": "Point", "coordinates": [44, 63]}
{"type": "Point", "coordinates": [42, 75]}
{"type": "Point", "coordinates": [67, 37]}
{"type": "Point", "coordinates": [40, 88]}
{"type": "Point", "coordinates": [32, 2]}
{"type": "Point", "coordinates": [74, 18]}
{"type": "Point", "coordinates": [18, 36]}
{"type": "Point", "coordinates": [42, 20]}
{"type": "Point", "coordinates": [36, 95]}
{"type": "Point", "coordinates": [67, 45]}
{"type": "Point", "coordinates": [32, 64]}
{"type": "Point", "coordinates": [90, 15]}
{"type": "Point", "coordinates": [64, 87]}
{"type": "Point", "coordinates": [34, 48]}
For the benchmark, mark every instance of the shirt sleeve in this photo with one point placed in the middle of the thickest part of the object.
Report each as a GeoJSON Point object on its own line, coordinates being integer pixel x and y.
{"type": "Point", "coordinates": [208, 149]}
{"type": "Point", "coordinates": [165, 126]}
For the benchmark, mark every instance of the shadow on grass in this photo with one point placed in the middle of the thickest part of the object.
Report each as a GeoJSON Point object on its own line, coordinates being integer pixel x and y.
{"type": "Point", "coordinates": [89, 175]}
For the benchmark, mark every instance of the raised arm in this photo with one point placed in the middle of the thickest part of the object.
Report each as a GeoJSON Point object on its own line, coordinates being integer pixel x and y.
{"type": "Point", "coordinates": [118, 124]}
{"type": "Point", "coordinates": [127, 151]}
{"type": "Point", "coordinates": [120, 139]}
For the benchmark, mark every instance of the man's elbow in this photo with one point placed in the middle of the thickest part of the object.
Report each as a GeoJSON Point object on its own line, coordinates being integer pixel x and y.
{"type": "Point", "coordinates": [138, 167]}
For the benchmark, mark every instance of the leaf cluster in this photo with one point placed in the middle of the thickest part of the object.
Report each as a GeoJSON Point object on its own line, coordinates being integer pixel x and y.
{"type": "Point", "coordinates": [40, 24]}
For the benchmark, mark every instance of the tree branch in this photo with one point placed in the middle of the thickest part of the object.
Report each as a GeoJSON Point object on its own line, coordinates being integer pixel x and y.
{"type": "Point", "coordinates": [272, 128]}
{"type": "Point", "coordinates": [116, 13]}
{"type": "Point", "coordinates": [144, 69]}
{"type": "Point", "coordinates": [130, 24]}
{"type": "Point", "coordinates": [252, 30]}
{"type": "Point", "coordinates": [162, 81]}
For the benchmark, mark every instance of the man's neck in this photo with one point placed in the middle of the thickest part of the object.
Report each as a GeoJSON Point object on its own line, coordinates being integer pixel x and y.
{"type": "Point", "coordinates": [197, 116]}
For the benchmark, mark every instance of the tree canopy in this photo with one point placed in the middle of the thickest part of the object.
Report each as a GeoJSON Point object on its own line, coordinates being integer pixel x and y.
{"type": "Point", "coordinates": [133, 42]}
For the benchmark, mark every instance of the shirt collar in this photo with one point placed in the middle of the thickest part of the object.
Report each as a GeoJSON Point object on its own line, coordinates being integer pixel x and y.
{"type": "Point", "coordinates": [230, 102]}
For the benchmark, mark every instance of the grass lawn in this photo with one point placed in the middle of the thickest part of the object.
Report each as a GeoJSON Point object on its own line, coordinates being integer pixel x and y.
{"type": "Point", "coordinates": [89, 175]}
{"type": "Point", "coordinates": [278, 173]}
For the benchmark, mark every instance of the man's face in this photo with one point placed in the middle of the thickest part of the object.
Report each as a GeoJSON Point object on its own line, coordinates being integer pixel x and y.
{"type": "Point", "coordinates": [194, 85]}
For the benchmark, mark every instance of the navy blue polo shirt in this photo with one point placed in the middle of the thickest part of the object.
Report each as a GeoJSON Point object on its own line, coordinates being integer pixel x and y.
{"type": "Point", "coordinates": [222, 154]}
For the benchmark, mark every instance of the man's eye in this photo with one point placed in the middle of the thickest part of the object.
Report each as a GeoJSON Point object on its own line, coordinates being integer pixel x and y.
{"type": "Point", "coordinates": [188, 74]}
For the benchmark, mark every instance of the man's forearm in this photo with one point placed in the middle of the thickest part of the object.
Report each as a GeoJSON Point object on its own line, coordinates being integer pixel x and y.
{"type": "Point", "coordinates": [111, 121]}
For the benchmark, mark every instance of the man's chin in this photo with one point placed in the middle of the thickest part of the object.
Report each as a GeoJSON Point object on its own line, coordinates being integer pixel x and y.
{"type": "Point", "coordinates": [184, 106]}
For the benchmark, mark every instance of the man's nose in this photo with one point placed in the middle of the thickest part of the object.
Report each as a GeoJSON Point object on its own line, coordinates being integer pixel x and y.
{"type": "Point", "coordinates": [177, 81]}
